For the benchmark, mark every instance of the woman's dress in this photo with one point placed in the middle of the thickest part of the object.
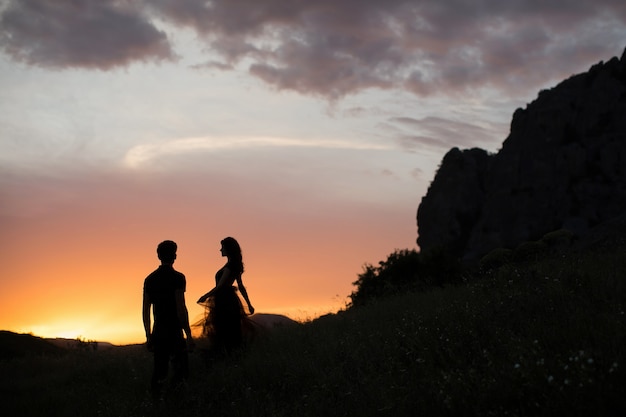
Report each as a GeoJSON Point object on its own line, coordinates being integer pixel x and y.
{"type": "Point", "coordinates": [224, 315]}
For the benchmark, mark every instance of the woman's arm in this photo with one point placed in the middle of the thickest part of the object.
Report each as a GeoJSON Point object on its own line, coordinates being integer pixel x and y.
{"type": "Point", "coordinates": [224, 281]}
{"type": "Point", "coordinates": [244, 293]}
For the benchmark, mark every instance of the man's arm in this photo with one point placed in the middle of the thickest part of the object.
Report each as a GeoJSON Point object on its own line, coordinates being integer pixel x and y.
{"type": "Point", "coordinates": [183, 315]}
{"type": "Point", "coordinates": [146, 315]}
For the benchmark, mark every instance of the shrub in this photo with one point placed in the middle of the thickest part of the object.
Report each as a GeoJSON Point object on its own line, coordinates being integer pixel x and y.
{"type": "Point", "coordinates": [405, 270]}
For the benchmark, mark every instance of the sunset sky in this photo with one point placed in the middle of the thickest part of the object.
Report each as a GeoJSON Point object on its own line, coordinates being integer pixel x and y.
{"type": "Point", "coordinates": [307, 130]}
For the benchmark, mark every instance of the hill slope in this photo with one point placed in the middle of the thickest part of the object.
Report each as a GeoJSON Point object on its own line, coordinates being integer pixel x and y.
{"type": "Point", "coordinates": [15, 345]}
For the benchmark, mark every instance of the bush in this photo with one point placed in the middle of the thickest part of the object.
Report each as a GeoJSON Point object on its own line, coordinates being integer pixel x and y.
{"type": "Point", "coordinates": [395, 274]}
{"type": "Point", "coordinates": [405, 270]}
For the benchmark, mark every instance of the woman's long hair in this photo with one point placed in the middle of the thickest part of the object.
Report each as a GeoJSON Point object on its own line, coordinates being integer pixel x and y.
{"type": "Point", "coordinates": [233, 252]}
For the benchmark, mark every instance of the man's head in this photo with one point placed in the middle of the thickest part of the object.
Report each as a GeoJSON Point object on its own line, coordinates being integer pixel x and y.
{"type": "Point", "coordinates": [166, 251]}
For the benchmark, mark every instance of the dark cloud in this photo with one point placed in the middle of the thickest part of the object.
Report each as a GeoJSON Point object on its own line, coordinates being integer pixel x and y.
{"type": "Point", "coordinates": [80, 33]}
{"type": "Point", "coordinates": [333, 48]}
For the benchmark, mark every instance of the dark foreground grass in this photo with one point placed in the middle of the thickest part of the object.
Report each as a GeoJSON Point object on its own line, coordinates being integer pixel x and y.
{"type": "Point", "coordinates": [535, 339]}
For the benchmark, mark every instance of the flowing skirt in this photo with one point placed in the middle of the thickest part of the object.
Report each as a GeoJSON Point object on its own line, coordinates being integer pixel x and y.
{"type": "Point", "coordinates": [224, 320]}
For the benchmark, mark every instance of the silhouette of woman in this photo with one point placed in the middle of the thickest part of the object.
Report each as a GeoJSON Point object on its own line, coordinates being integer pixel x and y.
{"type": "Point", "coordinates": [224, 312]}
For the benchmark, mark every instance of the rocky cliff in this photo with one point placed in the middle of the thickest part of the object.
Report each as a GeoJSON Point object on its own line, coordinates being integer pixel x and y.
{"type": "Point", "coordinates": [563, 165]}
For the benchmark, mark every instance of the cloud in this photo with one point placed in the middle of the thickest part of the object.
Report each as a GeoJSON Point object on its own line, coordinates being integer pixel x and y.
{"type": "Point", "coordinates": [417, 173]}
{"type": "Point", "coordinates": [140, 155]}
{"type": "Point", "coordinates": [80, 33]}
{"type": "Point", "coordinates": [330, 48]}
{"type": "Point", "coordinates": [438, 133]}
{"type": "Point", "coordinates": [333, 48]}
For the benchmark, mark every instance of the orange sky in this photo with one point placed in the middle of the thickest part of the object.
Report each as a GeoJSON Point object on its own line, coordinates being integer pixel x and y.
{"type": "Point", "coordinates": [77, 251]}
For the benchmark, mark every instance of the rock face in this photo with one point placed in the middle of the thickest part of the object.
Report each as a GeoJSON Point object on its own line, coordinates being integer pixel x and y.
{"type": "Point", "coordinates": [563, 165]}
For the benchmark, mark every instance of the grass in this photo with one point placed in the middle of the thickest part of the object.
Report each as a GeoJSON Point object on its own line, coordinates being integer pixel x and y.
{"type": "Point", "coordinates": [538, 338]}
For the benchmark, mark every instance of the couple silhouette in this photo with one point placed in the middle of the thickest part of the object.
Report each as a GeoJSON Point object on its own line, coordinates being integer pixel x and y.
{"type": "Point", "coordinates": [170, 337]}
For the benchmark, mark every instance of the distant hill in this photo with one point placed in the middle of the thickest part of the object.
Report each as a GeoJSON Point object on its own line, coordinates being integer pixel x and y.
{"type": "Point", "coordinates": [16, 345]}
{"type": "Point", "coordinates": [563, 166]}
{"type": "Point", "coordinates": [74, 344]}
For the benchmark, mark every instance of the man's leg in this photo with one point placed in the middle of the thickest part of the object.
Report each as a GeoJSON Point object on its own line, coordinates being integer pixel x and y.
{"type": "Point", "coordinates": [180, 362]}
{"type": "Point", "coordinates": [159, 375]}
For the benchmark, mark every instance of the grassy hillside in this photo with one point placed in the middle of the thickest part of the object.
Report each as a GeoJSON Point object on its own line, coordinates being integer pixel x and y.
{"type": "Point", "coordinates": [527, 338]}
{"type": "Point", "coordinates": [14, 345]}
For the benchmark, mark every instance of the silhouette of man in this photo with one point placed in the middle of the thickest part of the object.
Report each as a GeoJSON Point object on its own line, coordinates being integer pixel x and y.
{"type": "Point", "coordinates": [164, 291]}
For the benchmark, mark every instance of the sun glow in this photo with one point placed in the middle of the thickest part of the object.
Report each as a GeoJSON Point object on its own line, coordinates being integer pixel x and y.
{"type": "Point", "coordinates": [119, 333]}
{"type": "Point", "coordinates": [56, 330]}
